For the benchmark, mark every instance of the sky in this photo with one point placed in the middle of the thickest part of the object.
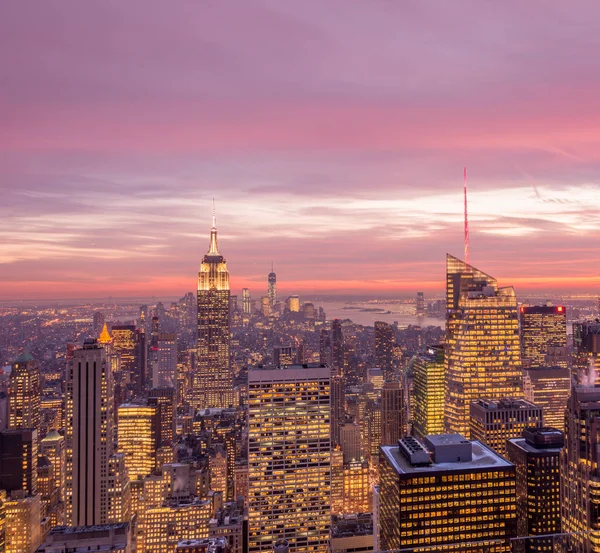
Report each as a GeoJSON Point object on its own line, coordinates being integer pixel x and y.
{"type": "Point", "coordinates": [332, 135]}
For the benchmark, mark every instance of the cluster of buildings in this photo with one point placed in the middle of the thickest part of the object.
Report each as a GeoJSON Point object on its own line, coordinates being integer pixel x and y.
{"type": "Point", "coordinates": [268, 428]}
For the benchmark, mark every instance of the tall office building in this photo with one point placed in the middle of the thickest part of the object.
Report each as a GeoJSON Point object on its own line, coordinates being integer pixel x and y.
{"type": "Point", "coordinates": [25, 393]}
{"type": "Point", "coordinates": [580, 477]}
{"type": "Point", "coordinates": [483, 354]}
{"type": "Point", "coordinates": [165, 401]}
{"type": "Point", "coordinates": [23, 528]}
{"type": "Point", "coordinates": [138, 437]}
{"type": "Point", "coordinates": [88, 434]}
{"type": "Point", "coordinates": [292, 304]}
{"type": "Point", "coordinates": [325, 357]}
{"type": "Point", "coordinates": [213, 381]}
{"type": "Point", "coordinates": [393, 413]}
{"type": "Point", "coordinates": [494, 422]}
{"type": "Point", "coordinates": [123, 346]}
{"type": "Point", "coordinates": [586, 341]}
{"type": "Point", "coordinates": [165, 369]}
{"type": "Point", "coordinates": [18, 461]}
{"type": "Point", "coordinates": [428, 392]}
{"type": "Point", "coordinates": [289, 457]}
{"type": "Point", "coordinates": [536, 457]}
{"type": "Point", "coordinates": [337, 347]}
{"type": "Point", "coordinates": [338, 406]}
{"type": "Point", "coordinates": [272, 287]}
{"type": "Point", "coordinates": [384, 348]}
{"type": "Point", "coordinates": [445, 494]}
{"type": "Point", "coordinates": [420, 307]}
{"type": "Point", "coordinates": [53, 448]}
{"type": "Point", "coordinates": [246, 301]}
{"type": "Point", "coordinates": [549, 388]}
{"type": "Point", "coordinates": [544, 335]}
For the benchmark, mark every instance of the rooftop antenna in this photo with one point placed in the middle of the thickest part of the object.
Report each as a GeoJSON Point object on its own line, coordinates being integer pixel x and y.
{"type": "Point", "coordinates": [214, 215]}
{"type": "Point", "coordinates": [466, 218]}
{"type": "Point", "coordinates": [272, 267]}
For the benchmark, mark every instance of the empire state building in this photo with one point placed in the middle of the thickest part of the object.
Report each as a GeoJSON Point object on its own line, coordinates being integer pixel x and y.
{"type": "Point", "coordinates": [213, 382]}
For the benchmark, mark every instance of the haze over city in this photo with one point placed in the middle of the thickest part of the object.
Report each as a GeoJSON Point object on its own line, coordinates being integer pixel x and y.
{"type": "Point", "coordinates": [332, 135]}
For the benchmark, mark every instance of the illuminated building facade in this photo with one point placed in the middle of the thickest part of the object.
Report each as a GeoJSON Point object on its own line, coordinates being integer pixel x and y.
{"type": "Point", "coordinates": [356, 493]}
{"type": "Point", "coordinates": [384, 348]}
{"type": "Point", "coordinates": [447, 495]}
{"type": "Point", "coordinates": [580, 477]}
{"type": "Point", "coordinates": [89, 434]}
{"type": "Point", "coordinates": [246, 301]}
{"type": "Point", "coordinates": [124, 349]}
{"type": "Point", "coordinates": [544, 335]}
{"type": "Point", "coordinates": [138, 437]}
{"type": "Point", "coordinates": [393, 413]}
{"type": "Point", "coordinates": [165, 369]}
{"type": "Point", "coordinates": [53, 448]}
{"type": "Point", "coordinates": [25, 393]}
{"type": "Point", "coordinates": [536, 457]}
{"type": "Point", "coordinates": [213, 381]}
{"type": "Point", "coordinates": [23, 529]}
{"type": "Point", "coordinates": [118, 489]}
{"type": "Point", "coordinates": [165, 401]}
{"type": "Point", "coordinates": [293, 304]}
{"type": "Point", "coordinates": [586, 341]}
{"type": "Point", "coordinates": [549, 388]}
{"type": "Point", "coordinates": [494, 422]}
{"type": "Point", "coordinates": [289, 457]}
{"type": "Point", "coordinates": [483, 353]}
{"type": "Point", "coordinates": [18, 461]}
{"type": "Point", "coordinates": [428, 392]}
{"type": "Point", "coordinates": [285, 355]}
{"type": "Point", "coordinates": [338, 406]}
{"type": "Point", "coordinates": [272, 288]}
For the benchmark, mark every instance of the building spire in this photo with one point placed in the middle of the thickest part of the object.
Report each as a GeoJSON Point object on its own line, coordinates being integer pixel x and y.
{"type": "Point", "coordinates": [214, 248]}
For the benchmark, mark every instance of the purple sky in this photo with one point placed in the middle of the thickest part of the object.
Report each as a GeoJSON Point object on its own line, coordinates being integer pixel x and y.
{"type": "Point", "coordinates": [332, 135]}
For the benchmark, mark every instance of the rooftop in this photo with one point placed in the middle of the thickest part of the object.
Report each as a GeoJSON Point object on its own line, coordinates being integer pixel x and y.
{"type": "Point", "coordinates": [504, 403]}
{"type": "Point", "coordinates": [25, 357]}
{"type": "Point", "coordinates": [70, 530]}
{"type": "Point", "coordinates": [483, 458]}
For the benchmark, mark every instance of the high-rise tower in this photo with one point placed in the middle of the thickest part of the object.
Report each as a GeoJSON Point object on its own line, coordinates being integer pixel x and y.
{"type": "Point", "coordinates": [25, 389]}
{"type": "Point", "coordinates": [483, 354]}
{"type": "Point", "coordinates": [384, 349]}
{"type": "Point", "coordinates": [213, 381]}
{"type": "Point", "coordinates": [544, 336]}
{"type": "Point", "coordinates": [272, 289]}
{"type": "Point", "coordinates": [88, 434]}
{"type": "Point", "coordinates": [289, 458]}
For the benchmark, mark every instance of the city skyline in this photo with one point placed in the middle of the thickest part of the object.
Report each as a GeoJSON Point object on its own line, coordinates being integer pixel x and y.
{"type": "Point", "coordinates": [348, 135]}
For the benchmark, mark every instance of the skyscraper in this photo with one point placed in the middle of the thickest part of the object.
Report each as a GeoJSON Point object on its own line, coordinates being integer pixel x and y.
{"type": "Point", "coordinates": [544, 335]}
{"type": "Point", "coordinates": [138, 438]}
{"type": "Point", "coordinates": [384, 348]}
{"type": "Point", "coordinates": [536, 457]}
{"type": "Point", "coordinates": [164, 399]}
{"type": "Point", "coordinates": [88, 434]}
{"type": "Point", "coordinates": [586, 340]}
{"type": "Point", "coordinates": [446, 494]}
{"type": "Point", "coordinates": [392, 413]}
{"type": "Point", "coordinates": [494, 422]}
{"type": "Point", "coordinates": [289, 458]}
{"type": "Point", "coordinates": [420, 308]}
{"type": "Point", "coordinates": [18, 461]}
{"type": "Point", "coordinates": [483, 354]}
{"type": "Point", "coordinates": [25, 390]}
{"type": "Point", "coordinates": [579, 461]}
{"type": "Point", "coordinates": [337, 347]}
{"type": "Point", "coordinates": [272, 287]}
{"type": "Point", "coordinates": [325, 356]}
{"type": "Point", "coordinates": [549, 388]}
{"type": "Point", "coordinates": [428, 392]}
{"type": "Point", "coordinates": [123, 346]}
{"type": "Point", "coordinates": [213, 381]}
{"type": "Point", "coordinates": [165, 369]}
{"type": "Point", "coordinates": [246, 301]}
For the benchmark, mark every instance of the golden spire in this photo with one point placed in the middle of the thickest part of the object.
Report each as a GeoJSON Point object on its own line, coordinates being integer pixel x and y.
{"type": "Point", "coordinates": [105, 337]}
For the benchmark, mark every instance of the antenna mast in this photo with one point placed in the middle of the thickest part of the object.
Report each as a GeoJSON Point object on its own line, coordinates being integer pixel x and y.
{"type": "Point", "coordinates": [466, 218]}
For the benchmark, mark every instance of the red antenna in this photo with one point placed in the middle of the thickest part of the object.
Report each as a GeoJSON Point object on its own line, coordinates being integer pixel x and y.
{"type": "Point", "coordinates": [466, 219]}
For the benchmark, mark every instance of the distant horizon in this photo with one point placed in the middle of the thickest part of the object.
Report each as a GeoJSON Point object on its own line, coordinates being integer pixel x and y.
{"type": "Point", "coordinates": [334, 146]}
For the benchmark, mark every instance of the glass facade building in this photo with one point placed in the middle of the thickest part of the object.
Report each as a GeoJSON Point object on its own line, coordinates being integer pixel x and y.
{"type": "Point", "coordinates": [483, 353]}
